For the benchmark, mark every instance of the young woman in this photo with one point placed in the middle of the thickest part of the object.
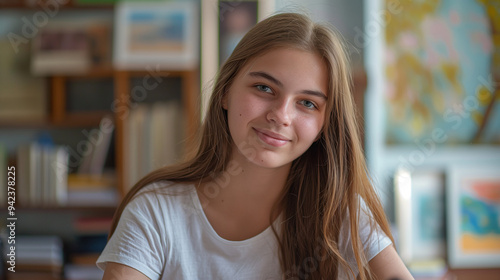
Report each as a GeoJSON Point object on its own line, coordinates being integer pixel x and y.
{"type": "Point", "coordinates": [278, 188]}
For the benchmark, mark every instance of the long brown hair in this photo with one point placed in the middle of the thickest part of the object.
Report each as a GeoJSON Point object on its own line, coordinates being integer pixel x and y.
{"type": "Point", "coordinates": [325, 184]}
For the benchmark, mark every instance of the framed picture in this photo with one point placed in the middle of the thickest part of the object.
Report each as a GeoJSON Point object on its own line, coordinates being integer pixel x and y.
{"type": "Point", "coordinates": [420, 214]}
{"type": "Point", "coordinates": [160, 35]}
{"type": "Point", "coordinates": [224, 23]}
{"type": "Point", "coordinates": [453, 62]}
{"type": "Point", "coordinates": [473, 216]}
{"type": "Point", "coordinates": [430, 102]}
{"type": "Point", "coordinates": [237, 17]}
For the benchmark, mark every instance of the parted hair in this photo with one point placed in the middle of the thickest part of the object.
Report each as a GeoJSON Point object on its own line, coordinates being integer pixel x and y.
{"type": "Point", "coordinates": [325, 186]}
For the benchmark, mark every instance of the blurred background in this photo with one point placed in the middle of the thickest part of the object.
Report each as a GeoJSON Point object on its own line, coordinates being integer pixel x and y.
{"type": "Point", "coordinates": [94, 94]}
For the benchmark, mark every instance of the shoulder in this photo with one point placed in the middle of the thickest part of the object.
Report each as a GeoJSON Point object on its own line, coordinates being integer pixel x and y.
{"type": "Point", "coordinates": [372, 237]}
{"type": "Point", "coordinates": [166, 187]}
{"type": "Point", "coordinates": [159, 197]}
{"type": "Point", "coordinates": [369, 230]}
{"type": "Point", "coordinates": [163, 190]}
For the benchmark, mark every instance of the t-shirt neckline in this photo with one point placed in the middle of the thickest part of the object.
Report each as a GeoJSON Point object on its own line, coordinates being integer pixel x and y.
{"type": "Point", "coordinates": [265, 234]}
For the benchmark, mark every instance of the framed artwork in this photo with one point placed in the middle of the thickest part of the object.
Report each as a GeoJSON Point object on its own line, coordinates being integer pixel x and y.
{"type": "Point", "coordinates": [433, 99]}
{"type": "Point", "coordinates": [160, 35]}
{"type": "Point", "coordinates": [420, 214]}
{"type": "Point", "coordinates": [442, 67]}
{"type": "Point", "coordinates": [224, 23]}
{"type": "Point", "coordinates": [473, 194]}
{"type": "Point", "coordinates": [237, 17]}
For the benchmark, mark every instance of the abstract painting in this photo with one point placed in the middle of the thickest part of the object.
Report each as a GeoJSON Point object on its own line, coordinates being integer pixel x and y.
{"type": "Point", "coordinates": [442, 71]}
{"type": "Point", "coordinates": [474, 216]}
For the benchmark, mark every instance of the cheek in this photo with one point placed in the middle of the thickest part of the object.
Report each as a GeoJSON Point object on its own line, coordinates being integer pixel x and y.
{"type": "Point", "coordinates": [247, 106]}
{"type": "Point", "coordinates": [309, 128]}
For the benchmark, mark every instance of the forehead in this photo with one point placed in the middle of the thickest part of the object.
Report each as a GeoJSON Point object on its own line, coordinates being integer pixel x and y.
{"type": "Point", "coordinates": [292, 67]}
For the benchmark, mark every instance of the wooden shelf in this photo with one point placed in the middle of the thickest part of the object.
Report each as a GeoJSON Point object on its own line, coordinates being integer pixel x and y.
{"type": "Point", "coordinates": [90, 208]}
{"type": "Point", "coordinates": [77, 120]}
{"type": "Point", "coordinates": [72, 120]}
{"type": "Point", "coordinates": [474, 274]}
{"type": "Point", "coordinates": [22, 124]}
{"type": "Point", "coordinates": [39, 4]}
{"type": "Point", "coordinates": [82, 119]}
{"type": "Point", "coordinates": [95, 72]}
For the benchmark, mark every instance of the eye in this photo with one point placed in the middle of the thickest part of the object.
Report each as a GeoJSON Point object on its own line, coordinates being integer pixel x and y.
{"type": "Point", "coordinates": [308, 104]}
{"type": "Point", "coordinates": [264, 88]}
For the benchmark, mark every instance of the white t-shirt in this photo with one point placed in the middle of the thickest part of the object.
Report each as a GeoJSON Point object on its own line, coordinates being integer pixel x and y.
{"type": "Point", "coordinates": [164, 233]}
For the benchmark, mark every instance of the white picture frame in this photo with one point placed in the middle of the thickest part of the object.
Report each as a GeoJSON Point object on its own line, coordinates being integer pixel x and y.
{"type": "Point", "coordinates": [158, 35]}
{"type": "Point", "coordinates": [473, 194]}
{"type": "Point", "coordinates": [420, 214]}
{"type": "Point", "coordinates": [212, 12]}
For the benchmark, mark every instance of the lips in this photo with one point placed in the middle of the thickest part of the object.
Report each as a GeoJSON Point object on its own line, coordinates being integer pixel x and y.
{"type": "Point", "coordinates": [271, 138]}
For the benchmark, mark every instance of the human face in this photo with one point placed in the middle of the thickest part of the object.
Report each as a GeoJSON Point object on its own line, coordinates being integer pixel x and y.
{"type": "Point", "coordinates": [276, 106]}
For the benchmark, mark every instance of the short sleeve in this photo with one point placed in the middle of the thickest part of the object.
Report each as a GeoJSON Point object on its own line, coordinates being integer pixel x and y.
{"type": "Point", "coordinates": [137, 241]}
{"type": "Point", "coordinates": [374, 240]}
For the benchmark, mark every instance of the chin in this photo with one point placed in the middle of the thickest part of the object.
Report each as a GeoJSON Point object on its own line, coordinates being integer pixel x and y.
{"type": "Point", "coordinates": [269, 161]}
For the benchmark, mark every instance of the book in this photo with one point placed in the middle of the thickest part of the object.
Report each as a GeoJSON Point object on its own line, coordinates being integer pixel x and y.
{"type": "Point", "coordinates": [58, 182]}
{"type": "Point", "coordinates": [29, 162]}
{"type": "Point", "coordinates": [93, 198]}
{"type": "Point", "coordinates": [41, 253]}
{"type": "Point", "coordinates": [88, 181]}
{"type": "Point", "coordinates": [135, 138]}
{"type": "Point", "coordinates": [44, 180]}
{"type": "Point", "coordinates": [93, 225]}
{"type": "Point", "coordinates": [153, 139]}
{"type": "Point", "coordinates": [3, 176]}
{"type": "Point", "coordinates": [60, 50]}
{"type": "Point", "coordinates": [93, 162]}
{"type": "Point", "coordinates": [22, 96]}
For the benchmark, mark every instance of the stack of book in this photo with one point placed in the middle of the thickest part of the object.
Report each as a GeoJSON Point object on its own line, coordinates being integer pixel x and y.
{"type": "Point", "coordinates": [3, 176]}
{"type": "Point", "coordinates": [38, 257]}
{"type": "Point", "coordinates": [44, 171]}
{"type": "Point", "coordinates": [68, 47]}
{"type": "Point", "coordinates": [91, 185]}
{"type": "Point", "coordinates": [92, 190]}
{"type": "Point", "coordinates": [91, 239]}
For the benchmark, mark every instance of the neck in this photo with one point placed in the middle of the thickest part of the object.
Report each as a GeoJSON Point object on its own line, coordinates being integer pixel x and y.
{"type": "Point", "coordinates": [245, 189]}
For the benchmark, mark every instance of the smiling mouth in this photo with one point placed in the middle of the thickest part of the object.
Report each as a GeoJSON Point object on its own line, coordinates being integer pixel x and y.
{"type": "Point", "coordinates": [271, 138]}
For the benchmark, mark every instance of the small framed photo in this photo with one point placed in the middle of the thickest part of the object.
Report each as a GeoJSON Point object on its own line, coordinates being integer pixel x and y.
{"type": "Point", "coordinates": [162, 35]}
{"type": "Point", "coordinates": [473, 194]}
{"type": "Point", "coordinates": [224, 23]}
{"type": "Point", "coordinates": [236, 19]}
{"type": "Point", "coordinates": [420, 214]}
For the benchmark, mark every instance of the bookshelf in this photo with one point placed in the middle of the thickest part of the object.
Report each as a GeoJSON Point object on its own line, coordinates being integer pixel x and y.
{"type": "Point", "coordinates": [59, 117]}
{"type": "Point", "coordinates": [62, 93]}
{"type": "Point", "coordinates": [190, 108]}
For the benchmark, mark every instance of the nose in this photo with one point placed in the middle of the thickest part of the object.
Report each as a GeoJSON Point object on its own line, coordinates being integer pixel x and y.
{"type": "Point", "coordinates": [281, 112]}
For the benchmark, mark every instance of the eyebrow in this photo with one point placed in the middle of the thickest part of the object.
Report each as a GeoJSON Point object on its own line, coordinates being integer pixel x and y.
{"type": "Point", "coordinates": [280, 84]}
